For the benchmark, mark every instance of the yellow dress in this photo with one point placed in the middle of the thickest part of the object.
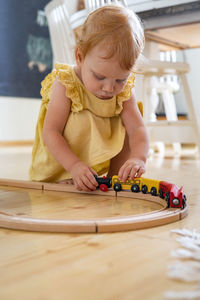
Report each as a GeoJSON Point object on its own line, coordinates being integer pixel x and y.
{"type": "Point", "coordinates": [94, 130]}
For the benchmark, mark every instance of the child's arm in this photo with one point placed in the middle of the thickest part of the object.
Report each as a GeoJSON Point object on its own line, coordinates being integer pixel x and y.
{"type": "Point", "coordinates": [54, 124]}
{"type": "Point", "coordinates": [138, 141]}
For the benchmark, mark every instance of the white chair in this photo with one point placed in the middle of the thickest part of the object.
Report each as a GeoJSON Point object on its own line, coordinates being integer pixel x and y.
{"type": "Point", "coordinates": [61, 26]}
{"type": "Point", "coordinates": [61, 33]}
{"type": "Point", "coordinates": [172, 130]}
{"type": "Point", "coordinates": [78, 18]}
{"type": "Point", "coordinates": [91, 5]}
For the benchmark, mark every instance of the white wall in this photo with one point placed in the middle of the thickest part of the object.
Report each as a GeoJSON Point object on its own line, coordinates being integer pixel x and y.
{"type": "Point", "coordinates": [18, 117]}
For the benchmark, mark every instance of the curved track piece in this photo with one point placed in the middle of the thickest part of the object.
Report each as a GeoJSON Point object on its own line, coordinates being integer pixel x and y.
{"type": "Point", "coordinates": [110, 224]}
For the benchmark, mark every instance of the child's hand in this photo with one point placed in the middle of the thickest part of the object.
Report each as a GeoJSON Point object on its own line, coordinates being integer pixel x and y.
{"type": "Point", "coordinates": [131, 168]}
{"type": "Point", "coordinates": [83, 177]}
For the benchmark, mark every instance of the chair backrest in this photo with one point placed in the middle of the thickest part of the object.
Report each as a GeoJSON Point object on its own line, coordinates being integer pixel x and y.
{"type": "Point", "coordinates": [91, 5]}
{"type": "Point", "coordinates": [62, 26]}
{"type": "Point", "coordinates": [61, 33]}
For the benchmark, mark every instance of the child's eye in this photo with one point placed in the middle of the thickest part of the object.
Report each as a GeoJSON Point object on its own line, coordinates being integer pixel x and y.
{"type": "Point", "coordinates": [99, 77]}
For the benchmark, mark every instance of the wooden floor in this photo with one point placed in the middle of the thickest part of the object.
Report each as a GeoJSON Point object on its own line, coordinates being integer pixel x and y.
{"type": "Point", "coordinates": [114, 266]}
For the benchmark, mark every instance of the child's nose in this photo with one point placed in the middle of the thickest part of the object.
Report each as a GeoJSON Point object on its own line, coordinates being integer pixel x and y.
{"type": "Point", "coordinates": [108, 87]}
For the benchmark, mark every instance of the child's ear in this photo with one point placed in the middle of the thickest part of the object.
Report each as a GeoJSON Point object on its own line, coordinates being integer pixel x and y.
{"type": "Point", "coordinates": [79, 56]}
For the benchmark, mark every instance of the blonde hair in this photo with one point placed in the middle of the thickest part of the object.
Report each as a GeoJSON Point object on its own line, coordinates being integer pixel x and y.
{"type": "Point", "coordinates": [118, 29]}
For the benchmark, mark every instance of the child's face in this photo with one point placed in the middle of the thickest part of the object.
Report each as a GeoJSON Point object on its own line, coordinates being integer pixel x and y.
{"type": "Point", "coordinates": [102, 77]}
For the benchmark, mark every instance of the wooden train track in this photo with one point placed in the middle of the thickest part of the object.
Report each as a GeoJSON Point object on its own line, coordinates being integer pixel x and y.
{"type": "Point", "coordinates": [97, 225]}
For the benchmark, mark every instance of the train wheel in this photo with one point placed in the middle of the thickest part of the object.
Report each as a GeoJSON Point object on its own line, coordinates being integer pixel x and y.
{"type": "Point", "coordinates": [110, 182]}
{"type": "Point", "coordinates": [103, 187]}
{"type": "Point", "coordinates": [135, 188]}
{"type": "Point", "coordinates": [184, 201]}
{"type": "Point", "coordinates": [161, 194]}
{"type": "Point", "coordinates": [153, 191]}
{"type": "Point", "coordinates": [144, 189]}
{"type": "Point", "coordinates": [167, 198]}
{"type": "Point", "coordinates": [175, 202]}
{"type": "Point", "coordinates": [117, 187]}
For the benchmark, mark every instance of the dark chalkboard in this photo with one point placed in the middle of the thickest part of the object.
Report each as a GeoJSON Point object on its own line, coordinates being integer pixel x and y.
{"type": "Point", "coordinates": [25, 49]}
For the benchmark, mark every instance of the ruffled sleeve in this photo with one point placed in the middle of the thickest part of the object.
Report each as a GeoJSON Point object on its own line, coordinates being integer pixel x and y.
{"type": "Point", "coordinates": [125, 94]}
{"type": "Point", "coordinates": [65, 75]}
{"type": "Point", "coordinates": [46, 85]}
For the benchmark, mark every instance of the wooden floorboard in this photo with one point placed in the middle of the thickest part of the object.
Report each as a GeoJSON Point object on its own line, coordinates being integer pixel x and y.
{"type": "Point", "coordinates": [114, 266]}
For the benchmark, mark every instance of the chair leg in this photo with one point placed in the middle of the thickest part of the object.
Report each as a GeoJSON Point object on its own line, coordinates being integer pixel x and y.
{"type": "Point", "coordinates": [191, 110]}
{"type": "Point", "coordinates": [171, 113]}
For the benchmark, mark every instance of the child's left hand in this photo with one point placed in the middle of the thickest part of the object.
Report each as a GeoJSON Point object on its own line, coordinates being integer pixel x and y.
{"type": "Point", "coordinates": [133, 167]}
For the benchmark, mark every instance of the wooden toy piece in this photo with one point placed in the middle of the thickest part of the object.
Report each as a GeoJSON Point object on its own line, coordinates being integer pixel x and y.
{"type": "Point", "coordinates": [138, 222]}
{"type": "Point", "coordinates": [108, 224]}
{"type": "Point", "coordinates": [162, 216]}
{"type": "Point", "coordinates": [145, 185]}
{"type": "Point", "coordinates": [49, 186]}
{"type": "Point", "coordinates": [104, 183]}
{"type": "Point", "coordinates": [83, 226]}
{"type": "Point", "coordinates": [22, 184]}
{"type": "Point", "coordinates": [173, 195]}
{"type": "Point", "coordinates": [71, 189]}
{"type": "Point", "coordinates": [183, 213]}
{"type": "Point", "coordinates": [142, 197]}
{"type": "Point", "coordinates": [165, 190]}
{"type": "Point", "coordinates": [46, 225]}
{"type": "Point", "coordinates": [112, 224]}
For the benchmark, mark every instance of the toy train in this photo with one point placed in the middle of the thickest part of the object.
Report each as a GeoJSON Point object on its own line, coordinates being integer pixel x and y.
{"type": "Point", "coordinates": [165, 190]}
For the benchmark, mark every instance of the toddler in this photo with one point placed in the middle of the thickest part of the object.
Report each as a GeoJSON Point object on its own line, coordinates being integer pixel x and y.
{"type": "Point", "coordinates": [89, 123]}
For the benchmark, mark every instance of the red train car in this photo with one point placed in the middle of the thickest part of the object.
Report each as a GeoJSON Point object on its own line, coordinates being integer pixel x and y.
{"type": "Point", "coordinates": [172, 194]}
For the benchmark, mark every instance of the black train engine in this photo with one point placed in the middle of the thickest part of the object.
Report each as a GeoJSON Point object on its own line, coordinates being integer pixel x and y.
{"type": "Point", "coordinates": [104, 183]}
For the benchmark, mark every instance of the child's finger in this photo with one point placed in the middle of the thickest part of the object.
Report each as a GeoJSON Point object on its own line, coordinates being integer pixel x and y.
{"type": "Point", "coordinates": [121, 172]}
{"type": "Point", "coordinates": [126, 173]}
{"type": "Point", "coordinates": [140, 171]}
{"type": "Point", "coordinates": [134, 171]}
{"type": "Point", "coordinates": [90, 182]}
{"type": "Point", "coordinates": [79, 184]}
{"type": "Point", "coordinates": [92, 179]}
{"type": "Point", "coordinates": [93, 171]}
{"type": "Point", "coordinates": [77, 187]}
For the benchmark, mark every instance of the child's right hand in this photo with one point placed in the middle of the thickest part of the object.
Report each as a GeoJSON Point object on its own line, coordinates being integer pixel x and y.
{"type": "Point", "coordinates": [83, 177]}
